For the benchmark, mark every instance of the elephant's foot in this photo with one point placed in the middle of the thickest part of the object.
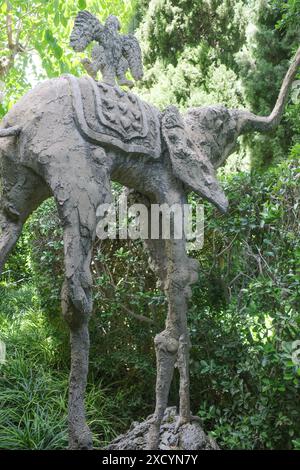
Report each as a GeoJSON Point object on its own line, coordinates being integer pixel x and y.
{"type": "Point", "coordinates": [153, 436]}
{"type": "Point", "coordinates": [166, 347]}
{"type": "Point", "coordinates": [80, 438]}
{"type": "Point", "coordinates": [182, 420]}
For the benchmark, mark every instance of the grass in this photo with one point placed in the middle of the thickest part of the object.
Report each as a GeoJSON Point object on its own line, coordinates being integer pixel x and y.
{"type": "Point", "coordinates": [34, 379]}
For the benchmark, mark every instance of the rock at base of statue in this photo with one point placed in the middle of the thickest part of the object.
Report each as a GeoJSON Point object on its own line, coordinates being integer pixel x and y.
{"type": "Point", "coordinates": [188, 436]}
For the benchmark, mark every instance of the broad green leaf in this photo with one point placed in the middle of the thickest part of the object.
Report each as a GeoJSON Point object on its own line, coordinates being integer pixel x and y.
{"type": "Point", "coordinates": [4, 8]}
{"type": "Point", "coordinates": [58, 52]}
{"type": "Point", "coordinates": [49, 36]}
{"type": "Point", "coordinates": [81, 4]}
{"type": "Point", "coordinates": [63, 20]}
{"type": "Point", "coordinates": [57, 19]}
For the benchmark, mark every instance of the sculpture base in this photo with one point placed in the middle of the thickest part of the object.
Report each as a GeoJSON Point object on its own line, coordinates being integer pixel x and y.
{"type": "Point", "coordinates": [188, 437]}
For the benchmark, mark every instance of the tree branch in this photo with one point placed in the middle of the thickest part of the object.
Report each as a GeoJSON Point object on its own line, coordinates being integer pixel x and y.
{"type": "Point", "coordinates": [9, 29]}
{"type": "Point", "coordinates": [13, 45]}
{"type": "Point", "coordinates": [134, 315]}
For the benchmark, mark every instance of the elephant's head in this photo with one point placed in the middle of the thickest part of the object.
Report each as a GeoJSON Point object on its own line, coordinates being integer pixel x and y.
{"type": "Point", "coordinates": [214, 130]}
{"type": "Point", "coordinates": [202, 140]}
{"type": "Point", "coordinates": [199, 143]}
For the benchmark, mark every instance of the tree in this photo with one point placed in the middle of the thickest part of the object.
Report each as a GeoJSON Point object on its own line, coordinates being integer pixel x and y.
{"type": "Point", "coordinates": [233, 52]}
{"type": "Point", "coordinates": [34, 40]}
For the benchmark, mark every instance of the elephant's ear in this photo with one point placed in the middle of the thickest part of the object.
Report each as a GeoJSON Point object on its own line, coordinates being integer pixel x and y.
{"type": "Point", "coordinates": [190, 165]}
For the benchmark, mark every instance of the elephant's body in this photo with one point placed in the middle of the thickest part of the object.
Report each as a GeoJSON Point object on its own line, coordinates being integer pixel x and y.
{"type": "Point", "coordinates": [43, 153]}
{"type": "Point", "coordinates": [51, 151]}
{"type": "Point", "coordinates": [50, 140]}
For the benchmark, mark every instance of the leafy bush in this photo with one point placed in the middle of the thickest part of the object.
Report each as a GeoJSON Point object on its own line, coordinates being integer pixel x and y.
{"type": "Point", "coordinates": [245, 314]}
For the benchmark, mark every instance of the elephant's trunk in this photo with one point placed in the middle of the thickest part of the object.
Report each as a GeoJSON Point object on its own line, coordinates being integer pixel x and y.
{"type": "Point", "coordinates": [250, 122]}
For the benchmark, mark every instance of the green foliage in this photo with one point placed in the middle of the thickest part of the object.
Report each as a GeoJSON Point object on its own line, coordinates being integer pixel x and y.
{"type": "Point", "coordinates": [46, 254]}
{"type": "Point", "coordinates": [40, 40]}
{"type": "Point", "coordinates": [188, 58]}
{"type": "Point", "coordinates": [290, 10]}
{"type": "Point", "coordinates": [263, 62]}
{"type": "Point", "coordinates": [194, 81]}
{"type": "Point", "coordinates": [169, 26]}
{"type": "Point", "coordinates": [245, 313]}
{"type": "Point", "coordinates": [34, 380]}
{"type": "Point", "coordinates": [231, 52]}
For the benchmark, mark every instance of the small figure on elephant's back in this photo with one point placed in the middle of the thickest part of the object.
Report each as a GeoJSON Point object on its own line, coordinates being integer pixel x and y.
{"type": "Point", "coordinates": [113, 55]}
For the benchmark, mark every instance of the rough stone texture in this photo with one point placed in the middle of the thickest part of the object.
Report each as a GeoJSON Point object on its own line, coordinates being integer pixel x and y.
{"type": "Point", "coordinates": [114, 54]}
{"type": "Point", "coordinates": [199, 174]}
{"type": "Point", "coordinates": [107, 115]}
{"type": "Point", "coordinates": [46, 150]}
{"type": "Point", "coordinates": [187, 437]}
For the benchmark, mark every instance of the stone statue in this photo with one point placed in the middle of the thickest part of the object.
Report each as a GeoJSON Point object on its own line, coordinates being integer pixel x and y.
{"type": "Point", "coordinates": [68, 138]}
{"type": "Point", "coordinates": [113, 55]}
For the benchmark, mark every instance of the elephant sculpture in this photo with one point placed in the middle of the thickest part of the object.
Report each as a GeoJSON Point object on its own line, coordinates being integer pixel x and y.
{"type": "Point", "coordinates": [69, 138]}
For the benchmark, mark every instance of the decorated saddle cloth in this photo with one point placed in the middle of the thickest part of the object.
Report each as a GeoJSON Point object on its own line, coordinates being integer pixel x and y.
{"type": "Point", "coordinates": [106, 114]}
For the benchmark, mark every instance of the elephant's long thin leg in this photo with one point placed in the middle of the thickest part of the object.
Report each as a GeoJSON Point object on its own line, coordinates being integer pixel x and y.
{"type": "Point", "coordinates": [185, 344]}
{"type": "Point", "coordinates": [178, 272]}
{"type": "Point", "coordinates": [166, 343]}
{"type": "Point", "coordinates": [9, 234]}
{"type": "Point", "coordinates": [183, 367]}
{"type": "Point", "coordinates": [183, 274]}
{"type": "Point", "coordinates": [77, 308]}
{"type": "Point", "coordinates": [166, 346]}
{"type": "Point", "coordinates": [23, 191]}
{"type": "Point", "coordinates": [79, 434]}
{"type": "Point", "coordinates": [79, 234]}
{"type": "Point", "coordinates": [78, 193]}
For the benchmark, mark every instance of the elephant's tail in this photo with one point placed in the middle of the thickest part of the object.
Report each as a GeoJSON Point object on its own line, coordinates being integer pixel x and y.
{"type": "Point", "coordinates": [10, 131]}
